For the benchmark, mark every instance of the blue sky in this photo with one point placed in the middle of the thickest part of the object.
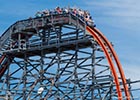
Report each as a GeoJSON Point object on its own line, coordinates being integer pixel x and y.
{"type": "Point", "coordinates": [119, 20]}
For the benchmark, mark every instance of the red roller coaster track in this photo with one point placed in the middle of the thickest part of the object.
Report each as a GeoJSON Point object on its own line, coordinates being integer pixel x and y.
{"type": "Point", "coordinates": [2, 69]}
{"type": "Point", "coordinates": [101, 39]}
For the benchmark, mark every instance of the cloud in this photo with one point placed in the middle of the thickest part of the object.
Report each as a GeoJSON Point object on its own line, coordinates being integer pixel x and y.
{"type": "Point", "coordinates": [127, 11]}
{"type": "Point", "coordinates": [133, 74]}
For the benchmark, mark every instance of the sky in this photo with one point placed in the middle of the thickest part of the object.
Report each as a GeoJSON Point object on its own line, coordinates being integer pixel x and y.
{"type": "Point", "coordinates": [119, 20]}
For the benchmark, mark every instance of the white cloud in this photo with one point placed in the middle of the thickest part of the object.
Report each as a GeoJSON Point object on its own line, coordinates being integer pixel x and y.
{"type": "Point", "coordinates": [133, 74]}
{"type": "Point", "coordinates": [126, 10]}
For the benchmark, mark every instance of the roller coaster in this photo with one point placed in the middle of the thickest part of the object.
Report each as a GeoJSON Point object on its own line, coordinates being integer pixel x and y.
{"type": "Point", "coordinates": [59, 57]}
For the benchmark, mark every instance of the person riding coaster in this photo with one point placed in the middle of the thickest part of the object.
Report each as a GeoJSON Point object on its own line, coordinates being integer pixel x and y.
{"type": "Point", "coordinates": [82, 14]}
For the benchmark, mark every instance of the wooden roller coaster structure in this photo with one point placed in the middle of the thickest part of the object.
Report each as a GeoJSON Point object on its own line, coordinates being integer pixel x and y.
{"type": "Point", "coordinates": [62, 55]}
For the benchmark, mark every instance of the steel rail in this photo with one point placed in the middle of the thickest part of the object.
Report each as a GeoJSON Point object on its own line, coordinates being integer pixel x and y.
{"type": "Point", "coordinates": [1, 69]}
{"type": "Point", "coordinates": [119, 66]}
{"type": "Point", "coordinates": [112, 67]}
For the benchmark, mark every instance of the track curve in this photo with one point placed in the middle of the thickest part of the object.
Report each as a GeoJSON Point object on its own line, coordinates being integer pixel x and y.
{"type": "Point", "coordinates": [97, 34]}
{"type": "Point", "coordinates": [117, 62]}
{"type": "Point", "coordinates": [109, 61]}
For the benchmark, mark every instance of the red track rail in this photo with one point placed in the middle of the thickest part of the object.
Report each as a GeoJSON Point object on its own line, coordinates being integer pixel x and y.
{"type": "Point", "coordinates": [101, 38]}
{"type": "Point", "coordinates": [101, 43]}
{"type": "Point", "coordinates": [2, 58]}
{"type": "Point", "coordinates": [117, 62]}
{"type": "Point", "coordinates": [2, 68]}
{"type": "Point", "coordinates": [4, 65]}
